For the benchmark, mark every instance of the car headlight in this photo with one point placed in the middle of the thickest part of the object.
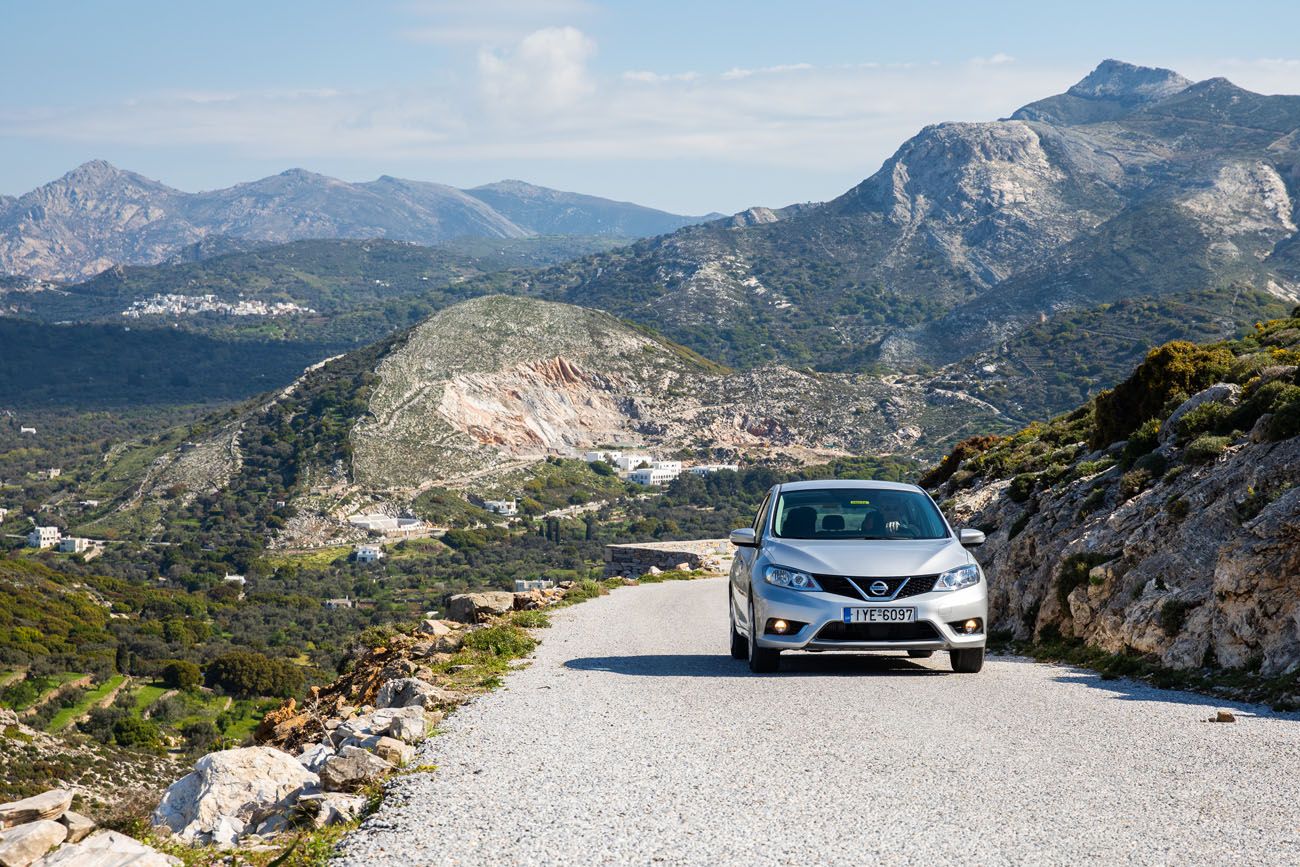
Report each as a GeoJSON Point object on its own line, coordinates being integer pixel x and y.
{"type": "Point", "coordinates": [790, 578]}
{"type": "Point", "coordinates": [956, 579]}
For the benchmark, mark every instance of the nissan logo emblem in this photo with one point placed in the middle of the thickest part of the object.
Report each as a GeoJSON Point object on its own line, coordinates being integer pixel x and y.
{"type": "Point", "coordinates": [879, 588]}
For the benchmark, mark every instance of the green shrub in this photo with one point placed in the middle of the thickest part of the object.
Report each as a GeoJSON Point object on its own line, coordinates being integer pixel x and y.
{"type": "Point", "coordinates": [1173, 614]}
{"type": "Point", "coordinates": [247, 673]}
{"type": "Point", "coordinates": [584, 590]}
{"type": "Point", "coordinates": [1022, 487]}
{"type": "Point", "coordinates": [1153, 462]}
{"type": "Point", "coordinates": [135, 732]}
{"type": "Point", "coordinates": [182, 674]}
{"type": "Point", "coordinates": [1095, 500]}
{"type": "Point", "coordinates": [503, 640]}
{"type": "Point", "coordinates": [1205, 448]}
{"type": "Point", "coordinates": [967, 448]}
{"type": "Point", "coordinates": [1177, 508]}
{"type": "Point", "coordinates": [1134, 482]}
{"type": "Point", "coordinates": [1074, 572]}
{"type": "Point", "coordinates": [1209, 417]}
{"type": "Point", "coordinates": [1285, 422]}
{"type": "Point", "coordinates": [1176, 367]}
{"type": "Point", "coordinates": [1142, 441]}
{"type": "Point", "coordinates": [530, 619]}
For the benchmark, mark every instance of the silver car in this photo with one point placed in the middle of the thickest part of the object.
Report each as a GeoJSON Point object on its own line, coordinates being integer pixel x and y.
{"type": "Point", "coordinates": [855, 565]}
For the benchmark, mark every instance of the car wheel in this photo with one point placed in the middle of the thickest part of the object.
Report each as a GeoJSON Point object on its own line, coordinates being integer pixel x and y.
{"type": "Point", "coordinates": [739, 646]}
{"type": "Point", "coordinates": [920, 654]}
{"type": "Point", "coordinates": [762, 660]}
{"type": "Point", "coordinates": [967, 661]}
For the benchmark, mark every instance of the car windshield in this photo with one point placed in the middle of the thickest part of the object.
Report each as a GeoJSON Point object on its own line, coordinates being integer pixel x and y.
{"type": "Point", "coordinates": [857, 513]}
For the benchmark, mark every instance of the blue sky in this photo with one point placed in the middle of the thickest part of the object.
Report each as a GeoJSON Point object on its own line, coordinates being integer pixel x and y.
{"type": "Point", "coordinates": [688, 106]}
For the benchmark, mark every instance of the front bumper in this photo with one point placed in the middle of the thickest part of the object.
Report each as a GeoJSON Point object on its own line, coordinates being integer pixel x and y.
{"type": "Point", "coordinates": [934, 612]}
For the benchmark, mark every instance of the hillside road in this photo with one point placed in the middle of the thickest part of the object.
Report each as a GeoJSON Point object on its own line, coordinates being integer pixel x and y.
{"type": "Point", "coordinates": [633, 738]}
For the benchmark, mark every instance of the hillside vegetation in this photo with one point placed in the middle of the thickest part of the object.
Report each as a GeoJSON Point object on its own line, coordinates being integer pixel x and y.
{"type": "Point", "coordinates": [1160, 519]}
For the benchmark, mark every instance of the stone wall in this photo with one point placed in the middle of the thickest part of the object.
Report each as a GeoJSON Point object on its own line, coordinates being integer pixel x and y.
{"type": "Point", "coordinates": [637, 559]}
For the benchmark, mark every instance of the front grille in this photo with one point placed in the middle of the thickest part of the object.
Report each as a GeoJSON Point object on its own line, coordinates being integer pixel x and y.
{"type": "Point", "coordinates": [843, 586]}
{"type": "Point", "coordinates": [917, 585]}
{"type": "Point", "coordinates": [919, 631]}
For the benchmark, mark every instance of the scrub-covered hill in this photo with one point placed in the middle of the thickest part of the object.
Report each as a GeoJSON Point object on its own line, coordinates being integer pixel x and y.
{"type": "Point", "coordinates": [1161, 518]}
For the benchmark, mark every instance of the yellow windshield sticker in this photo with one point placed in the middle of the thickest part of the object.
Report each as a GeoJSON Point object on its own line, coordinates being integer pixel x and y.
{"type": "Point", "coordinates": [859, 502]}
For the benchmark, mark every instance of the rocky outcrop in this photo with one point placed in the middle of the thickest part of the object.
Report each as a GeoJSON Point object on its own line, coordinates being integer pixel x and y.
{"type": "Point", "coordinates": [23, 845]}
{"type": "Point", "coordinates": [480, 607]}
{"type": "Point", "coordinates": [216, 801]}
{"type": "Point", "coordinates": [1182, 546]}
{"type": "Point", "coordinates": [47, 805]}
{"type": "Point", "coordinates": [108, 849]}
{"type": "Point", "coordinates": [43, 832]}
{"type": "Point", "coordinates": [353, 768]}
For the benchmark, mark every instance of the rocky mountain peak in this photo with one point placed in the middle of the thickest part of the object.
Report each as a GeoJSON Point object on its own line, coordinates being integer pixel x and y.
{"type": "Point", "coordinates": [1127, 82]}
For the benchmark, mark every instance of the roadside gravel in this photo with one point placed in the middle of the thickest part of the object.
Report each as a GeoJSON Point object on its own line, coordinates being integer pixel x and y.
{"type": "Point", "coordinates": [634, 739]}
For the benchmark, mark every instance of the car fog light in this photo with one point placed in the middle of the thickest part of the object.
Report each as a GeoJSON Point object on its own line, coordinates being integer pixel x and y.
{"type": "Point", "coordinates": [780, 626]}
{"type": "Point", "coordinates": [971, 625]}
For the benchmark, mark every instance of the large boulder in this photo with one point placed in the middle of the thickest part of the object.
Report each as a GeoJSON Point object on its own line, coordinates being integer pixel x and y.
{"type": "Point", "coordinates": [412, 692]}
{"type": "Point", "coordinates": [47, 805]}
{"type": "Point", "coordinates": [227, 788]}
{"type": "Point", "coordinates": [404, 723]}
{"type": "Point", "coordinates": [108, 849]}
{"type": "Point", "coordinates": [313, 756]}
{"type": "Point", "coordinates": [79, 827]}
{"type": "Point", "coordinates": [391, 750]}
{"type": "Point", "coordinates": [351, 769]}
{"type": "Point", "coordinates": [21, 845]}
{"type": "Point", "coordinates": [479, 607]}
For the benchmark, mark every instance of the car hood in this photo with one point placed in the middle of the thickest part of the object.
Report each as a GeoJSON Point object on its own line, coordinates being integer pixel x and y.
{"type": "Point", "coordinates": [867, 559]}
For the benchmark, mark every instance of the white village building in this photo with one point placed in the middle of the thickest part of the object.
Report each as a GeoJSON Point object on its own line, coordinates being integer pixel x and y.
{"type": "Point", "coordinates": [74, 545]}
{"type": "Point", "coordinates": [705, 469]}
{"type": "Point", "coordinates": [651, 476]}
{"type": "Point", "coordinates": [369, 553]}
{"type": "Point", "coordinates": [508, 508]}
{"type": "Point", "coordinates": [43, 537]}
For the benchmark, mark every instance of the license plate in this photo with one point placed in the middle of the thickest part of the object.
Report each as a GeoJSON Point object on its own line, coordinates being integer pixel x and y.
{"type": "Point", "coordinates": [879, 615]}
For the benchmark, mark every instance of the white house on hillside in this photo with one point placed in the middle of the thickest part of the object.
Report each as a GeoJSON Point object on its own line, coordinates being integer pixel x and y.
{"type": "Point", "coordinates": [502, 507]}
{"type": "Point", "coordinates": [43, 537]}
{"type": "Point", "coordinates": [74, 545]}
{"type": "Point", "coordinates": [705, 469]}
{"type": "Point", "coordinates": [3, 513]}
{"type": "Point", "coordinates": [630, 461]}
{"type": "Point", "coordinates": [369, 553]}
{"type": "Point", "coordinates": [651, 476]}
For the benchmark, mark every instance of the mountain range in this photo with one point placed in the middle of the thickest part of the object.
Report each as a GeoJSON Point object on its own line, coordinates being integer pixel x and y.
{"type": "Point", "coordinates": [98, 216]}
{"type": "Point", "coordinates": [1134, 183]}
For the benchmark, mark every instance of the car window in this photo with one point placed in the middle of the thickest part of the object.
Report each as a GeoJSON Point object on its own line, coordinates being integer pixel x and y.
{"type": "Point", "coordinates": [857, 513]}
{"type": "Point", "coordinates": [762, 512]}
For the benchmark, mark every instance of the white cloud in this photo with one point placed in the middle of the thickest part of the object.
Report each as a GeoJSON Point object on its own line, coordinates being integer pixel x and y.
{"type": "Point", "coordinates": [543, 99]}
{"type": "Point", "coordinates": [645, 76]}
{"type": "Point", "coordinates": [545, 72]}
{"type": "Point", "coordinates": [737, 73]}
{"type": "Point", "coordinates": [998, 59]}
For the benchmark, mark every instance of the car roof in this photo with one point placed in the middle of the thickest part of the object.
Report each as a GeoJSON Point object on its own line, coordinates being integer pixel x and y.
{"type": "Point", "coordinates": [822, 484]}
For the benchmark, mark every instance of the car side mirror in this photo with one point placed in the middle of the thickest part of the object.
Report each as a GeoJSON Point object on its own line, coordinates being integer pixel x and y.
{"type": "Point", "coordinates": [971, 538]}
{"type": "Point", "coordinates": [744, 538]}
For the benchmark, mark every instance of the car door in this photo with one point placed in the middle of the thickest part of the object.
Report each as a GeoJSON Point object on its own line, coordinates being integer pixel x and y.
{"type": "Point", "coordinates": [742, 567]}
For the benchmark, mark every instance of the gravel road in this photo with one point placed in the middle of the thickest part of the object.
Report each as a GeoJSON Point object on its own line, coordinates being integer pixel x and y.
{"type": "Point", "coordinates": [633, 738]}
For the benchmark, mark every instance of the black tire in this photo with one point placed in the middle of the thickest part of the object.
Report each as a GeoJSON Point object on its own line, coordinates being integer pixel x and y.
{"type": "Point", "coordinates": [920, 654]}
{"type": "Point", "coordinates": [739, 646]}
{"type": "Point", "coordinates": [967, 661]}
{"type": "Point", "coordinates": [762, 660]}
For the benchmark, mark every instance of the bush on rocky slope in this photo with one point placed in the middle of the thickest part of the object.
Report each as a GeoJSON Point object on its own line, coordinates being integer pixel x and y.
{"type": "Point", "coordinates": [1179, 543]}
